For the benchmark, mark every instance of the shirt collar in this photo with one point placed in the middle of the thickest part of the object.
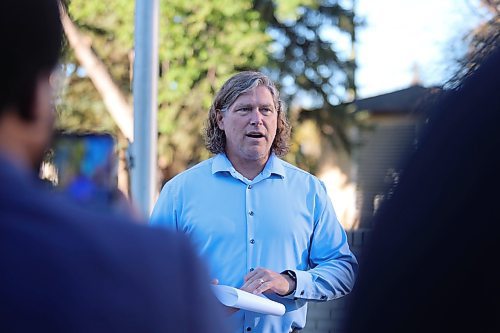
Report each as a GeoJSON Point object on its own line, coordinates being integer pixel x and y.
{"type": "Point", "coordinates": [273, 166]}
{"type": "Point", "coordinates": [221, 163]}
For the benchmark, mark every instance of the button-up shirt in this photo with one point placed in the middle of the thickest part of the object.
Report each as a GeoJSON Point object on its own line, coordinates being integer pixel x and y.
{"type": "Point", "coordinates": [282, 219]}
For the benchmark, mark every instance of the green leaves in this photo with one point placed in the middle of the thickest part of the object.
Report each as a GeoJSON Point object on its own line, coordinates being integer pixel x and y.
{"type": "Point", "coordinates": [290, 10]}
{"type": "Point", "coordinates": [201, 44]}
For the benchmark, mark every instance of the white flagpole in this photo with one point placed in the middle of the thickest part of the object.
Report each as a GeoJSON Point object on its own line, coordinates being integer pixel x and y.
{"type": "Point", "coordinates": [145, 86]}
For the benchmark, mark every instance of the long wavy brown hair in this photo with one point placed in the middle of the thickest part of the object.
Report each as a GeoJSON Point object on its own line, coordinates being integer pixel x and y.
{"type": "Point", "coordinates": [215, 138]}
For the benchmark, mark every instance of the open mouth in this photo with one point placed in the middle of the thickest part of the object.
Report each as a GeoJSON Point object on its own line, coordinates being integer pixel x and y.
{"type": "Point", "coordinates": [255, 135]}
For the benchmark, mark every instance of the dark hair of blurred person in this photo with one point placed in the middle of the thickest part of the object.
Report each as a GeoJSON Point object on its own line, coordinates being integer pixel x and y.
{"type": "Point", "coordinates": [31, 35]}
{"type": "Point", "coordinates": [431, 265]}
{"type": "Point", "coordinates": [63, 268]}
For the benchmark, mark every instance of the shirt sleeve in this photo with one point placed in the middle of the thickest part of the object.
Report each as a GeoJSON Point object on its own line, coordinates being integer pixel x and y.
{"type": "Point", "coordinates": [165, 212]}
{"type": "Point", "coordinates": [332, 266]}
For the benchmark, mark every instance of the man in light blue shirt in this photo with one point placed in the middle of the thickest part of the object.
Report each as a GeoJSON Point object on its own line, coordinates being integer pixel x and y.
{"type": "Point", "coordinates": [260, 223]}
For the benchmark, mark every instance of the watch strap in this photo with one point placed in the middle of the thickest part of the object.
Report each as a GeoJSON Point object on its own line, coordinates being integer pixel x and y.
{"type": "Point", "coordinates": [292, 276]}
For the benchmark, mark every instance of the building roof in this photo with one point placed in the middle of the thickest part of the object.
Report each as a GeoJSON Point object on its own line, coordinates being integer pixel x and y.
{"type": "Point", "coordinates": [400, 101]}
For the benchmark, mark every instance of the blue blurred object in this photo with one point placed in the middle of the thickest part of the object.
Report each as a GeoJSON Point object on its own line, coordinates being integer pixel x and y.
{"type": "Point", "coordinates": [86, 167]}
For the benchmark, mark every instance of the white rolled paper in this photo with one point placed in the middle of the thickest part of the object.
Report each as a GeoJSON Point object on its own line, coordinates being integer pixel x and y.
{"type": "Point", "coordinates": [240, 299]}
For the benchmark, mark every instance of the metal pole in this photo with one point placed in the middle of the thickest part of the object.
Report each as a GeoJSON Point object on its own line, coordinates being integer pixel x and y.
{"type": "Point", "coordinates": [145, 85]}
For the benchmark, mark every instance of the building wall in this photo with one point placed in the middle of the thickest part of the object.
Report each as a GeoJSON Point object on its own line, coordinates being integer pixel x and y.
{"type": "Point", "coordinates": [378, 161]}
{"type": "Point", "coordinates": [357, 184]}
{"type": "Point", "coordinates": [336, 172]}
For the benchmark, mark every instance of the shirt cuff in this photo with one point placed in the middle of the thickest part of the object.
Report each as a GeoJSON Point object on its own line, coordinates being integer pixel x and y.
{"type": "Point", "coordinates": [300, 286]}
{"type": "Point", "coordinates": [300, 289]}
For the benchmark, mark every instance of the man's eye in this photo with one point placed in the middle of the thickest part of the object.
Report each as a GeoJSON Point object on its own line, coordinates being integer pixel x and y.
{"type": "Point", "coordinates": [244, 110]}
{"type": "Point", "coordinates": [266, 110]}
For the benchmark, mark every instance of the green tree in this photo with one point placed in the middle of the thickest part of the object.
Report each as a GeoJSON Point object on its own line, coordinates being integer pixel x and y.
{"type": "Point", "coordinates": [201, 44]}
{"type": "Point", "coordinates": [317, 75]}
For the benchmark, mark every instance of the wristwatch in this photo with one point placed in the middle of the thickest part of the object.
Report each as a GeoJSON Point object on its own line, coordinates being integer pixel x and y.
{"type": "Point", "coordinates": [291, 274]}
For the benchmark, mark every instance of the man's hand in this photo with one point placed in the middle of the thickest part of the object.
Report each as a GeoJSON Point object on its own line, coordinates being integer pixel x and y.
{"type": "Point", "coordinates": [264, 280]}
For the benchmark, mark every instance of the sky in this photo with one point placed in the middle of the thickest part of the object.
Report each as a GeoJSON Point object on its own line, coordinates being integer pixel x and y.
{"type": "Point", "coordinates": [401, 34]}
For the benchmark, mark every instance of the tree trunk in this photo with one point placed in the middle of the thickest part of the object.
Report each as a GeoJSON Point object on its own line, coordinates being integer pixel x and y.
{"type": "Point", "coordinates": [114, 100]}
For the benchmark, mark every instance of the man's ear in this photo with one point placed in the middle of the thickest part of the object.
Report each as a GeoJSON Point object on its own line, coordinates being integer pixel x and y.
{"type": "Point", "coordinates": [220, 119]}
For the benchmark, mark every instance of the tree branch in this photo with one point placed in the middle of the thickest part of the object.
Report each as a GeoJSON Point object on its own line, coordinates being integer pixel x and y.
{"type": "Point", "coordinates": [114, 100]}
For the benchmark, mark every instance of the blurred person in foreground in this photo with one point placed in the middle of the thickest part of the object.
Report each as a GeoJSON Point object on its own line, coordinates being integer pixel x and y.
{"type": "Point", "coordinates": [431, 265]}
{"type": "Point", "coordinates": [262, 224]}
{"type": "Point", "coordinates": [65, 269]}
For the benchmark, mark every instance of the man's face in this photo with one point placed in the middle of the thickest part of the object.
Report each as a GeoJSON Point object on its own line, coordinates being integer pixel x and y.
{"type": "Point", "coordinates": [250, 126]}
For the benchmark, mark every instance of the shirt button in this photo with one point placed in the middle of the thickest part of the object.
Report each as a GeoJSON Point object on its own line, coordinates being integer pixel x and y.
{"type": "Point", "coordinates": [249, 187]}
{"type": "Point", "coordinates": [323, 297]}
{"type": "Point", "coordinates": [249, 329]}
{"type": "Point", "coordinates": [251, 269]}
{"type": "Point", "coordinates": [302, 293]}
{"type": "Point", "coordinates": [250, 213]}
{"type": "Point", "coordinates": [252, 241]}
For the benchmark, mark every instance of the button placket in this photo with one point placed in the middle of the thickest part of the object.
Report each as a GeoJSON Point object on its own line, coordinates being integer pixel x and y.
{"type": "Point", "coordinates": [250, 218]}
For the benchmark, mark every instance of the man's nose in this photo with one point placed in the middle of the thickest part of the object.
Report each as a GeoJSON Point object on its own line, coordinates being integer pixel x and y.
{"type": "Point", "coordinates": [255, 117]}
